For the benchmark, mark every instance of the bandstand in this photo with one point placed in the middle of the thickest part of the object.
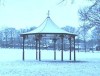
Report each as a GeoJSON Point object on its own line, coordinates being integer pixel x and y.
{"type": "Point", "coordinates": [48, 29]}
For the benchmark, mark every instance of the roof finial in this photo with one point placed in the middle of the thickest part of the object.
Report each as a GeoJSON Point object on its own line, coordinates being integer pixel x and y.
{"type": "Point", "coordinates": [48, 13]}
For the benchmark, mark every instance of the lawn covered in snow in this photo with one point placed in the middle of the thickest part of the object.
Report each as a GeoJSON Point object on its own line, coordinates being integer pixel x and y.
{"type": "Point", "coordinates": [11, 64]}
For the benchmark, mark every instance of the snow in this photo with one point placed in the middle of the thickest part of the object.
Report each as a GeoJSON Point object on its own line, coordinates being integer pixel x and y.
{"type": "Point", "coordinates": [11, 64]}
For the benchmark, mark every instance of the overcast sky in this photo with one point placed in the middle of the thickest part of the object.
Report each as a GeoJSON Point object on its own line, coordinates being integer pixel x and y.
{"type": "Point", "coordinates": [27, 13]}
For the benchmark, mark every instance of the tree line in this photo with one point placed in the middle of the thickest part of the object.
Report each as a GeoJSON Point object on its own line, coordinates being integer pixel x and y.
{"type": "Point", "coordinates": [10, 37]}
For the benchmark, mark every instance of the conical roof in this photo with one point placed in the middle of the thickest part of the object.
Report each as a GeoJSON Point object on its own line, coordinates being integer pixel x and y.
{"type": "Point", "coordinates": [48, 27]}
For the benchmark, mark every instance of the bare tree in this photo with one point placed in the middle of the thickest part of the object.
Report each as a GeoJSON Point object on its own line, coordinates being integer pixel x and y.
{"type": "Point", "coordinates": [69, 29]}
{"type": "Point", "coordinates": [90, 16]}
{"type": "Point", "coordinates": [5, 37]}
{"type": "Point", "coordinates": [12, 33]}
{"type": "Point", "coordinates": [1, 38]}
{"type": "Point", "coordinates": [83, 35]}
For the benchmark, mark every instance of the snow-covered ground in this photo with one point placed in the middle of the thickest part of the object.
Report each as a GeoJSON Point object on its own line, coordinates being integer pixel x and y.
{"type": "Point", "coordinates": [11, 64]}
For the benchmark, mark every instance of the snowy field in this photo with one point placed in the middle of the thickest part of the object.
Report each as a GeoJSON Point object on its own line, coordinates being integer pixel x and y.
{"type": "Point", "coordinates": [11, 64]}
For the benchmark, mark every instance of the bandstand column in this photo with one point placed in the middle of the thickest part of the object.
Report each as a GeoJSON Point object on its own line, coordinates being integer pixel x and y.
{"type": "Point", "coordinates": [70, 48]}
{"type": "Point", "coordinates": [23, 58]}
{"type": "Point", "coordinates": [74, 50]}
{"type": "Point", "coordinates": [40, 47]}
{"type": "Point", "coordinates": [54, 48]}
{"type": "Point", "coordinates": [36, 48]}
{"type": "Point", "coordinates": [62, 36]}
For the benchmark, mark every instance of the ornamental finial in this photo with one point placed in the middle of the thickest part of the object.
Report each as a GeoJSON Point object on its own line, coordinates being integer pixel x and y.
{"type": "Point", "coordinates": [48, 13]}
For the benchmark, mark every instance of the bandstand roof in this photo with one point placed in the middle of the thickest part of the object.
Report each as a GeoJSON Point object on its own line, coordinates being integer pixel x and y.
{"type": "Point", "coordinates": [48, 27]}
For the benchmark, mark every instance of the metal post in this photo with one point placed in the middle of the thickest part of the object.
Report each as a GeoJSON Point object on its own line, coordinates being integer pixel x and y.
{"type": "Point", "coordinates": [23, 48]}
{"type": "Point", "coordinates": [36, 49]}
{"type": "Point", "coordinates": [62, 48]}
{"type": "Point", "coordinates": [54, 48]}
{"type": "Point", "coordinates": [39, 48]}
{"type": "Point", "coordinates": [70, 47]}
{"type": "Point", "coordinates": [78, 45]}
{"type": "Point", "coordinates": [74, 50]}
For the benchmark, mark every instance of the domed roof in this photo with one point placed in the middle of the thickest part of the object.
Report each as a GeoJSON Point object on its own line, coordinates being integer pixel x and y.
{"type": "Point", "coordinates": [48, 27]}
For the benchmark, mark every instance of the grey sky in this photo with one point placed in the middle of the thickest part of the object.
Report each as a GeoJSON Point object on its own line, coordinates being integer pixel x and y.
{"type": "Point", "coordinates": [27, 13]}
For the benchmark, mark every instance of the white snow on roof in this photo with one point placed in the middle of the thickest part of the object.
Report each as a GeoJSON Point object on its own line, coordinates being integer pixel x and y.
{"type": "Point", "coordinates": [48, 26]}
